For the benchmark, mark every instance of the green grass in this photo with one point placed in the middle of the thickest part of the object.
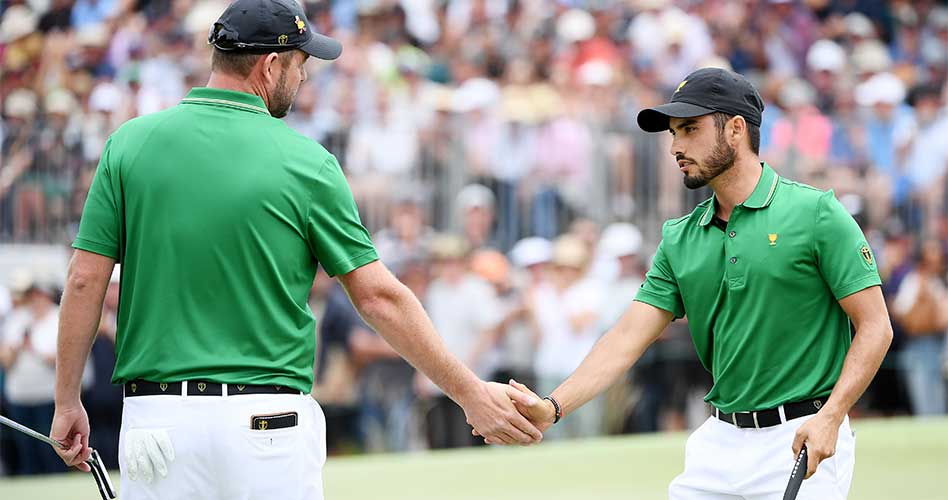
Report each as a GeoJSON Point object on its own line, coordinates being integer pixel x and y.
{"type": "Point", "coordinates": [898, 458]}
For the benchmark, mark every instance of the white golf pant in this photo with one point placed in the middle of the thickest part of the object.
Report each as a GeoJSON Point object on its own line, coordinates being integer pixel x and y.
{"type": "Point", "coordinates": [217, 454]}
{"type": "Point", "coordinates": [723, 462]}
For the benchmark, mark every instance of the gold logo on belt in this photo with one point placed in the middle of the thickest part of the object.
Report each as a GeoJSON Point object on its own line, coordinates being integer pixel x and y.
{"type": "Point", "coordinates": [241, 388]}
{"type": "Point", "coordinates": [163, 387]}
{"type": "Point", "coordinates": [202, 386]}
{"type": "Point", "coordinates": [262, 425]}
{"type": "Point", "coordinates": [134, 387]}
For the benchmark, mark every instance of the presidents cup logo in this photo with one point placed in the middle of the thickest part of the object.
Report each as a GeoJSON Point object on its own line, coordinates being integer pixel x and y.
{"type": "Point", "coordinates": [163, 387]}
{"type": "Point", "coordinates": [262, 425]}
{"type": "Point", "coordinates": [866, 254]}
{"type": "Point", "coordinates": [241, 388]}
{"type": "Point", "coordinates": [282, 39]}
{"type": "Point", "coordinates": [202, 386]}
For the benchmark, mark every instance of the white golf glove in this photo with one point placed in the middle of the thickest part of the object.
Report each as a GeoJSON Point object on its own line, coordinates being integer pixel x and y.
{"type": "Point", "coordinates": [147, 450]}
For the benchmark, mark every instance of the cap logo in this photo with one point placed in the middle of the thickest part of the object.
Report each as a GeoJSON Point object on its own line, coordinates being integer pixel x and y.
{"type": "Point", "coordinates": [300, 25]}
{"type": "Point", "coordinates": [282, 39]}
{"type": "Point", "coordinates": [680, 85]}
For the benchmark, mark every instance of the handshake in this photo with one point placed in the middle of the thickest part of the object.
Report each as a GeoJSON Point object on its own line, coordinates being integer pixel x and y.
{"type": "Point", "coordinates": [508, 414]}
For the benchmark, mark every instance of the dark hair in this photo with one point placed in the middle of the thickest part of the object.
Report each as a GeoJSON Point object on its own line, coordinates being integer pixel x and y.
{"type": "Point", "coordinates": [753, 131]}
{"type": "Point", "coordinates": [241, 63]}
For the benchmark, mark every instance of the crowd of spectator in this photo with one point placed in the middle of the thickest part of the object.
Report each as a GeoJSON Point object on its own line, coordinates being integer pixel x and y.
{"type": "Point", "coordinates": [492, 147]}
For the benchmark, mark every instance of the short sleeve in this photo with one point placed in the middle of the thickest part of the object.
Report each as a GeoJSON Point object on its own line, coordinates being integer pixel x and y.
{"type": "Point", "coordinates": [336, 235]}
{"type": "Point", "coordinates": [100, 225]}
{"type": "Point", "coordinates": [660, 288]}
{"type": "Point", "coordinates": [842, 253]}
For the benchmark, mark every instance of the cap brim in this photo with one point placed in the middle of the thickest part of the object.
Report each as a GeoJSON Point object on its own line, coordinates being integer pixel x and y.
{"type": "Point", "coordinates": [656, 119]}
{"type": "Point", "coordinates": [322, 47]}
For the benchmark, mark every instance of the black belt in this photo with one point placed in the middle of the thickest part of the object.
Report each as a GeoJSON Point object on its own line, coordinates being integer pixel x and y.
{"type": "Point", "coordinates": [199, 388]}
{"type": "Point", "coordinates": [769, 418]}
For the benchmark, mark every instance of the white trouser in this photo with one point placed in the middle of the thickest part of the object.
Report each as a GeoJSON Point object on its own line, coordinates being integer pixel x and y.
{"type": "Point", "coordinates": [723, 462]}
{"type": "Point", "coordinates": [219, 457]}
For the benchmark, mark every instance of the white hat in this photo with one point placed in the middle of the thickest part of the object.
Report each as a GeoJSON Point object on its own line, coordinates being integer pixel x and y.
{"type": "Point", "coordinates": [596, 73]}
{"type": "Point", "coordinates": [871, 56]}
{"type": "Point", "coordinates": [859, 25]}
{"type": "Point", "coordinates": [59, 101]}
{"type": "Point", "coordinates": [475, 196]}
{"type": "Point", "coordinates": [620, 239]}
{"type": "Point", "coordinates": [18, 21]}
{"type": "Point", "coordinates": [531, 251]}
{"type": "Point", "coordinates": [93, 35]}
{"type": "Point", "coordinates": [884, 88]}
{"type": "Point", "coordinates": [575, 25]}
{"type": "Point", "coordinates": [796, 92]}
{"type": "Point", "coordinates": [476, 93]}
{"type": "Point", "coordinates": [21, 103]}
{"type": "Point", "coordinates": [826, 55]}
{"type": "Point", "coordinates": [105, 97]}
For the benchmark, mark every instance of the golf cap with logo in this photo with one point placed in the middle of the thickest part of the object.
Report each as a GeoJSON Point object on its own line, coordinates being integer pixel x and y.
{"type": "Point", "coordinates": [706, 91]}
{"type": "Point", "coordinates": [263, 26]}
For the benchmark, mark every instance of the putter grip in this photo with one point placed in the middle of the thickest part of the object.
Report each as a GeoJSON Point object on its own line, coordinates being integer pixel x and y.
{"type": "Point", "coordinates": [796, 477]}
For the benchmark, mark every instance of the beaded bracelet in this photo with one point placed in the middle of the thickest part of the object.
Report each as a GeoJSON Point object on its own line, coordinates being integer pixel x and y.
{"type": "Point", "coordinates": [557, 410]}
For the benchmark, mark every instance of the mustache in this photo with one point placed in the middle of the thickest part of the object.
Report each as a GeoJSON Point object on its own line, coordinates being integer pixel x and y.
{"type": "Point", "coordinates": [684, 158]}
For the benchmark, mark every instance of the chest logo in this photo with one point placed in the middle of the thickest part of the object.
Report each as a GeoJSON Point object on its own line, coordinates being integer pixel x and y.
{"type": "Point", "coordinates": [772, 237]}
{"type": "Point", "coordinates": [866, 254]}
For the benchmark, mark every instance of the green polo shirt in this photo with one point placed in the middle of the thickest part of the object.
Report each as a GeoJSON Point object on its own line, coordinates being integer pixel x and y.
{"type": "Point", "coordinates": [219, 214]}
{"type": "Point", "coordinates": [762, 294]}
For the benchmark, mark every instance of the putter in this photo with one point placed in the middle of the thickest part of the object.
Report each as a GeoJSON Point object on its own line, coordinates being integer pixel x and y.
{"type": "Point", "coordinates": [796, 476]}
{"type": "Point", "coordinates": [101, 476]}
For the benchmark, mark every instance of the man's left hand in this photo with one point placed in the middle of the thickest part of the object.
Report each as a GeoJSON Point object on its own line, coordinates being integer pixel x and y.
{"type": "Point", "coordinates": [819, 433]}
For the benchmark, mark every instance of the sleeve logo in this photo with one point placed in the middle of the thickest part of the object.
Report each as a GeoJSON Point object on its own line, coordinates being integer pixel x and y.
{"type": "Point", "coordinates": [866, 254]}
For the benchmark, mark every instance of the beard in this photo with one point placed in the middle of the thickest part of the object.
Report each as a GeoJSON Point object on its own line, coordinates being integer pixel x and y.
{"type": "Point", "coordinates": [281, 99]}
{"type": "Point", "coordinates": [719, 161]}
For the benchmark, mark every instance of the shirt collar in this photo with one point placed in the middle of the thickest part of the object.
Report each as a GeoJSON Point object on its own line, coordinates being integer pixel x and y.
{"type": "Point", "coordinates": [761, 197]}
{"type": "Point", "coordinates": [224, 97]}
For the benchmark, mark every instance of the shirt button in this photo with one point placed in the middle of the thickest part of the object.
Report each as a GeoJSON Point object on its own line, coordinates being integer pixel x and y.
{"type": "Point", "coordinates": [733, 260]}
{"type": "Point", "coordinates": [732, 234]}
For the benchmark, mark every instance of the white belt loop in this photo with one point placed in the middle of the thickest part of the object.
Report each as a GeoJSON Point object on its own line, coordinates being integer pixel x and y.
{"type": "Point", "coordinates": [783, 415]}
{"type": "Point", "coordinates": [756, 424]}
{"type": "Point", "coordinates": [734, 420]}
{"type": "Point", "coordinates": [184, 388]}
{"type": "Point", "coordinates": [223, 390]}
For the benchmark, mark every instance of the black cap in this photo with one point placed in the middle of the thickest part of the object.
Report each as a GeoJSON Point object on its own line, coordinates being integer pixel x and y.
{"type": "Point", "coordinates": [706, 91]}
{"type": "Point", "coordinates": [262, 26]}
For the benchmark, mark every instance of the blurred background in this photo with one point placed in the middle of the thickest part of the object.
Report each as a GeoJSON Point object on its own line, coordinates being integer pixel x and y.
{"type": "Point", "coordinates": [493, 151]}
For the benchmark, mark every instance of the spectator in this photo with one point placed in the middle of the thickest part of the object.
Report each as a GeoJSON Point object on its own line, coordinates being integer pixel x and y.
{"type": "Point", "coordinates": [461, 328]}
{"type": "Point", "coordinates": [567, 312]}
{"type": "Point", "coordinates": [511, 344]}
{"type": "Point", "coordinates": [476, 208]}
{"type": "Point", "coordinates": [28, 356]}
{"type": "Point", "coordinates": [921, 308]}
